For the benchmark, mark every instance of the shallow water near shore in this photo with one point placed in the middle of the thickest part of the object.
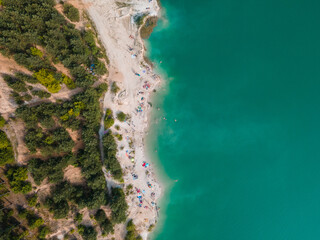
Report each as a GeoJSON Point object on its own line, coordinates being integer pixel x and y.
{"type": "Point", "coordinates": [243, 83]}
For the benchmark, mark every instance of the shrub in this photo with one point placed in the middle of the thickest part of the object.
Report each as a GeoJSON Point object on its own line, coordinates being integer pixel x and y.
{"type": "Point", "coordinates": [109, 112]}
{"type": "Point", "coordinates": [114, 88]}
{"type": "Point", "coordinates": [36, 52]}
{"type": "Point", "coordinates": [78, 218]}
{"type": "Point", "coordinates": [27, 97]}
{"type": "Point", "coordinates": [41, 94]}
{"type": "Point", "coordinates": [32, 200]}
{"type": "Point", "coordinates": [103, 87]}
{"type": "Point", "coordinates": [15, 83]}
{"type": "Point", "coordinates": [118, 136]}
{"type": "Point", "coordinates": [71, 12]}
{"type": "Point", "coordinates": [87, 232]}
{"type": "Point", "coordinates": [34, 221]}
{"type": "Point", "coordinates": [43, 232]}
{"type": "Point", "coordinates": [17, 98]}
{"type": "Point", "coordinates": [68, 82]}
{"type": "Point", "coordinates": [23, 213]}
{"type": "Point", "coordinates": [100, 68]}
{"type": "Point", "coordinates": [121, 116]}
{"type": "Point", "coordinates": [151, 227]}
{"type": "Point", "coordinates": [130, 226]}
{"type": "Point", "coordinates": [47, 80]}
{"type": "Point", "coordinates": [100, 216]}
{"type": "Point", "coordinates": [25, 78]}
{"type": "Point", "coordinates": [108, 120]}
{"type": "Point", "coordinates": [108, 123]}
{"type": "Point", "coordinates": [139, 18]}
{"type": "Point", "coordinates": [131, 231]}
{"type": "Point", "coordinates": [59, 207]}
{"type": "Point", "coordinates": [17, 177]}
{"type": "Point", "coordinates": [106, 227]}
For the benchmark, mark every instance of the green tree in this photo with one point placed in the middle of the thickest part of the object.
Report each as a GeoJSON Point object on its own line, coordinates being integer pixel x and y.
{"type": "Point", "coordinates": [15, 83]}
{"type": "Point", "coordinates": [68, 82]}
{"type": "Point", "coordinates": [47, 79]}
{"type": "Point", "coordinates": [43, 232]}
{"type": "Point", "coordinates": [17, 177]}
{"type": "Point", "coordinates": [87, 232]}
{"type": "Point", "coordinates": [108, 120]}
{"type": "Point", "coordinates": [71, 12]}
{"type": "Point", "coordinates": [78, 218]}
{"type": "Point", "coordinates": [41, 94]}
{"type": "Point", "coordinates": [114, 88]}
{"type": "Point", "coordinates": [36, 52]}
{"type": "Point", "coordinates": [121, 116]}
{"type": "Point", "coordinates": [32, 200]}
{"type": "Point", "coordinates": [34, 221]}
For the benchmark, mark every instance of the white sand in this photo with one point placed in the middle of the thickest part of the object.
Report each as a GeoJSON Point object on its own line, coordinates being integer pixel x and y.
{"type": "Point", "coordinates": [115, 25]}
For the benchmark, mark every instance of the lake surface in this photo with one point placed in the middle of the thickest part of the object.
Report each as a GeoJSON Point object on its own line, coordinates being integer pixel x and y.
{"type": "Point", "coordinates": [243, 82]}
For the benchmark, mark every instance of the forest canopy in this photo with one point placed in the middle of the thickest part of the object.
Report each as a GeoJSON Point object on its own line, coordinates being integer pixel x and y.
{"type": "Point", "coordinates": [58, 132]}
{"type": "Point", "coordinates": [26, 24]}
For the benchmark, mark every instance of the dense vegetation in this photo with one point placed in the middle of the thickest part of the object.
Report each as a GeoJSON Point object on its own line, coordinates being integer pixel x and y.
{"type": "Point", "coordinates": [81, 112]}
{"type": "Point", "coordinates": [51, 168]}
{"type": "Point", "coordinates": [36, 35]}
{"type": "Point", "coordinates": [118, 205]}
{"type": "Point", "coordinates": [26, 24]}
{"type": "Point", "coordinates": [49, 142]}
{"type": "Point", "coordinates": [12, 228]}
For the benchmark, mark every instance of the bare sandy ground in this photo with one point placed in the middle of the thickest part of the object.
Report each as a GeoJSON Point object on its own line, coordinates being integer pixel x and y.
{"type": "Point", "coordinates": [119, 34]}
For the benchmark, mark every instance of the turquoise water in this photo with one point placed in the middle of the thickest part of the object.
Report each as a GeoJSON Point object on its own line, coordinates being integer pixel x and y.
{"type": "Point", "coordinates": [243, 82]}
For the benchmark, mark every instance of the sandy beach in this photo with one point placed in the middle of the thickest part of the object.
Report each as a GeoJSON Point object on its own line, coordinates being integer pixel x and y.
{"type": "Point", "coordinates": [125, 50]}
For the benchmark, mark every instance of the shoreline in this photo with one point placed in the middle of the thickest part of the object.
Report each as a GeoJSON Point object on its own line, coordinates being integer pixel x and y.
{"type": "Point", "coordinates": [126, 52]}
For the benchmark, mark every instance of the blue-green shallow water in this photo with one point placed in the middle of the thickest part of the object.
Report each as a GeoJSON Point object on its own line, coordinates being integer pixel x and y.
{"type": "Point", "coordinates": [245, 84]}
